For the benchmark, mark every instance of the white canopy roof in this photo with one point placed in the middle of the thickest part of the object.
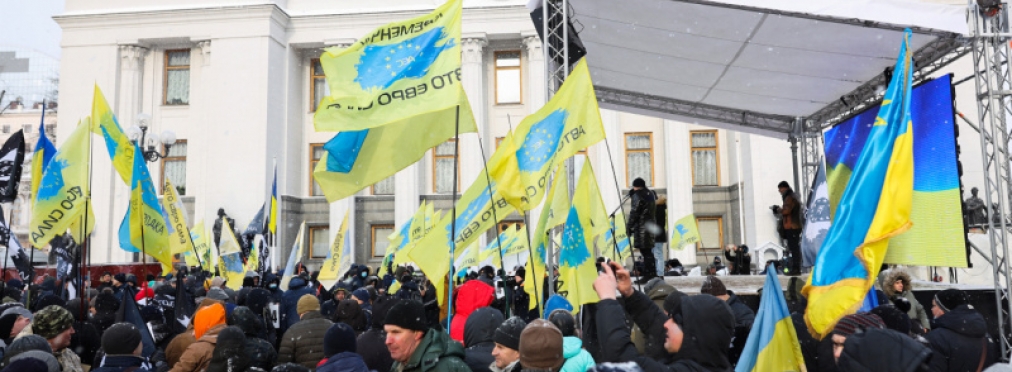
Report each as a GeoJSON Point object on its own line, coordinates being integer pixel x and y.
{"type": "Point", "coordinates": [756, 65]}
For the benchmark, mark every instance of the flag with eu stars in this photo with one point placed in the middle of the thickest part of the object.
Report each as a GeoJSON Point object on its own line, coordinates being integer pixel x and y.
{"type": "Point", "coordinates": [60, 200]}
{"type": "Point", "coordinates": [552, 215]}
{"type": "Point", "coordinates": [567, 124]}
{"type": "Point", "coordinates": [397, 71]}
{"type": "Point", "coordinates": [576, 264]}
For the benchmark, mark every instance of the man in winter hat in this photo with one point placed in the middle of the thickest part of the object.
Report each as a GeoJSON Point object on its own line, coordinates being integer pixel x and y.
{"type": "Point", "coordinates": [56, 325]}
{"type": "Point", "coordinates": [416, 348]}
{"type": "Point", "coordinates": [507, 345]}
{"type": "Point", "coordinates": [960, 339]}
{"type": "Point", "coordinates": [123, 347]}
{"type": "Point", "coordinates": [339, 351]}
{"type": "Point", "coordinates": [541, 347]}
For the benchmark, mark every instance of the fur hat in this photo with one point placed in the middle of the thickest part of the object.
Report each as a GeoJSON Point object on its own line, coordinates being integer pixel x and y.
{"type": "Point", "coordinates": [51, 321]}
{"type": "Point", "coordinates": [307, 303]}
{"type": "Point", "coordinates": [541, 346]}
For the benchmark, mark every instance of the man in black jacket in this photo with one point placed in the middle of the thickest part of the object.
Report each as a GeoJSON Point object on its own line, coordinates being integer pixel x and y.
{"type": "Point", "coordinates": [479, 332]}
{"type": "Point", "coordinates": [642, 219]}
{"type": "Point", "coordinates": [695, 332]}
{"type": "Point", "coordinates": [959, 338]}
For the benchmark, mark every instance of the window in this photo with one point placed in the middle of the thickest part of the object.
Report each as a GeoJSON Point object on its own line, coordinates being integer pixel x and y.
{"type": "Point", "coordinates": [639, 157]}
{"type": "Point", "coordinates": [319, 241]}
{"type": "Point", "coordinates": [510, 225]}
{"type": "Point", "coordinates": [51, 129]}
{"type": "Point", "coordinates": [174, 167]}
{"type": "Point", "coordinates": [442, 169]}
{"type": "Point", "coordinates": [27, 128]}
{"type": "Point", "coordinates": [705, 159]}
{"type": "Point", "coordinates": [177, 77]}
{"type": "Point", "coordinates": [318, 87]}
{"type": "Point", "coordinates": [380, 240]}
{"type": "Point", "coordinates": [711, 232]}
{"type": "Point", "coordinates": [384, 187]}
{"type": "Point", "coordinates": [316, 152]}
{"type": "Point", "coordinates": [7, 128]}
{"type": "Point", "coordinates": [507, 77]}
{"type": "Point", "coordinates": [498, 141]}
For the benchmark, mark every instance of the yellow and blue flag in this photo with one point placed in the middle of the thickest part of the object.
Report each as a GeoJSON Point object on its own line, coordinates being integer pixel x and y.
{"type": "Point", "coordinates": [44, 151]}
{"type": "Point", "coordinates": [230, 265]}
{"type": "Point", "coordinates": [398, 71]}
{"type": "Point", "coordinates": [175, 215]}
{"type": "Point", "coordinates": [685, 232]}
{"type": "Point", "coordinates": [272, 225]}
{"type": "Point", "coordinates": [199, 236]}
{"type": "Point", "coordinates": [104, 123]}
{"type": "Point", "coordinates": [330, 271]}
{"type": "Point", "coordinates": [552, 215]}
{"type": "Point", "coordinates": [874, 207]}
{"type": "Point", "coordinates": [576, 263]}
{"type": "Point", "coordinates": [293, 258]}
{"type": "Point", "coordinates": [144, 228]}
{"type": "Point", "coordinates": [567, 124]}
{"type": "Point", "coordinates": [619, 249]}
{"type": "Point", "coordinates": [61, 198]}
{"type": "Point", "coordinates": [772, 343]}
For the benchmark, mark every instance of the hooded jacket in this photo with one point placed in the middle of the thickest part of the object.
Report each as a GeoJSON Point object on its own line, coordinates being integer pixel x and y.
{"type": "Point", "coordinates": [471, 296]}
{"type": "Point", "coordinates": [260, 352]}
{"type": "Point", "coordinates": [882, 350]}
{"type": "Point", "coordinates": [350, 312]}
{"type": "Point", "coordinates": [577, 359]}
{"type": "Point", "coordinates": [478, 333]}
{"type": "Point", "coordinates": [343, 362]}
{"type": "Point", "coordinates": [122, 363]}
{"type": "Point", "coordinates": [290, 302]}
{"type": "Point", "coordinates": [436, 352]}
{"type": "Point", "coordinates": [229, 352]}
{"type": "Point", "coordinates": [643, 211]}
{"type": "Point", "coordinates": [303, 343]}
{"type": "Point", "coordinates": [707, 327]}
{"type": "Point", "coordinates": [917, 311]}
{"type": "Point", "coordinates": [86, 340]}
{"type": "Point", "coordinates": [198, 355]}
{"type": "Point", "coordinates": [958, 341]}
{"type": "Point", "coordinates": [657, 290]}
{"type": "Point", "coordinates": [371, 345]}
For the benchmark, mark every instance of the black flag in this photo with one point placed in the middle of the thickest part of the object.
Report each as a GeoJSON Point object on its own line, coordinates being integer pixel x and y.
{"type": "Point", "coordinates": [257, 225]}
{"type": "Point", "coordinates": [184, 307]}
{"type": "Point", "coordinates": [12, 156]}
{"type": "Point", "coordinates": [65, 250]}
{"type": "Point", "coordinates": [15, 253]}
{"type": "Point", "coordinates": [128, 312]}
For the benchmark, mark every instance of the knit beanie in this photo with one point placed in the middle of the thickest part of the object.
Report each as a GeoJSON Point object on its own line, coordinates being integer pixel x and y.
{"type": "Point", "coordinates": [673, 305]}
{"type": "Point", "coordinates": [28, 365]}
{"type": "Point", "coordinates": [339, 338]}
{"type": "Point", "coordinates": [51, 321]}
{"type": "Point", "coordinates": [307, 303]}
{"type": "Point", "coordinates": [639, 182]}
{"type": "Point", "coordinates": [893, 318]}
{"type": "Point", "coordinates": [950, 299]}
{"type": "Point", "coordinates": [15, 283]}
{"type": "Point", "coordinates": [19, 310]}
{"type": "Point", "coordinates": [51, 363]}
{"type": "Point", "coordinates": [407, 314]}
{"type": "Point", "coordinates": [852, 323]}
{"type": "Point", "coordinates": [121, 277]}
{"type": "Point", "coordinates": [713, 286]}
{"type": "Point", "coordinates": [361, 294]}
{"type": "Point", "coordinates": [564, 321]}
{"type": "Point", "coordinates": [380, 307]}
{"type": "Point", "coordinates": [27, 343]}
{"type": "Point", "coordinates": [121, 339]}
{"type": "Point", "coordinates": [7, 324]}
{"type": "Point", "coordinates": [508, 333]}
{"type": "Point", "coordinates": [541, 346]}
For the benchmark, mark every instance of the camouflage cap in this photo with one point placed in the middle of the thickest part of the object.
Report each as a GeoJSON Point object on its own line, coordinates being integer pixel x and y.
{"type": "Point", "coordinates": [51, 321]}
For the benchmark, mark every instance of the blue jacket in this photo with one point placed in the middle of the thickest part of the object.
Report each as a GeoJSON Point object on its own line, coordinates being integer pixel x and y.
{"type": "Point", "coordinates": [290, 302]}
{"type": "Point", "coordinates": [577, 359]}
{"type": "Point", "coordinates": [120, 363]}
{"type": "Point", "coordinates": [343, 362]}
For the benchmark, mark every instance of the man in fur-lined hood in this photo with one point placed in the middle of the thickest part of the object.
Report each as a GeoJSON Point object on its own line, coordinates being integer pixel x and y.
{"type": "Point", "coordinates": [896, 282]}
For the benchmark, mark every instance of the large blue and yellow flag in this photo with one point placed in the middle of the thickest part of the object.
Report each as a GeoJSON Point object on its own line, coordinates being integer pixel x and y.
{"type": "Point", "coordinates": [44, 151]}
{"type": "Point", "coordinates": [567, 124]}
{"type": "Point", "coordinates": [772, 343]}
{"type": "Point", "coordinates": [230, 265]}
{"type": "Point", "coordinates": [552, 215]}
{"type": "Point", "coordinates": [874, 207]}
{"type": "Point", "coordinates": [330, 271]}
{"type": "Point", "coordinates": [104, 123]}
{"type": "Point", "coordinates": [398, 71]}
{"type": "Point", "coordinates": [60, 200]}
{"type": "Point", "coordinates": [576, 263]}
{"type": "Point", "coordinates": [175, 215]}
{"type": "Point", "coordinates": [272, 224]}
{"type": "Point", "coordinates": [144, 229]}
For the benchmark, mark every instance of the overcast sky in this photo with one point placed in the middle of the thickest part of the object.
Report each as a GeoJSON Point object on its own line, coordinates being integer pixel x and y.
{"type": "Point", "coordinates": [29, 23]}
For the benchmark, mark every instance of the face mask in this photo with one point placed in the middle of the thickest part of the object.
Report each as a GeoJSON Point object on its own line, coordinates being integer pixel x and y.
{"type": "Point", "coordinates": [273, 286]}
{"type": "Point", "coordinates": [363, 275]}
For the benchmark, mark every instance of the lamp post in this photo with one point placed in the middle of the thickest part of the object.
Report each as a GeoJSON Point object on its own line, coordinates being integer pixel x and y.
{"type": "Point", "coordinates": [139, 135]}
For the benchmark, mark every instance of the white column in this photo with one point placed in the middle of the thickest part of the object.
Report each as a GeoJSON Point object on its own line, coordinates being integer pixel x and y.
{"type": "Point", "coordinates": [407, 188]}
{"type": "Point", "coordinates": [200, 84]}
{"type": "Point", "coordinates": [603, 171]}
{"type": "Point", "coordinates": [127, 106]}
{"type": "Point", "coordinates": [679, 181]}
{"type": "Point", "coordinates": [473, 71]}
{"type": "Point", "coordinates": [535, 74]}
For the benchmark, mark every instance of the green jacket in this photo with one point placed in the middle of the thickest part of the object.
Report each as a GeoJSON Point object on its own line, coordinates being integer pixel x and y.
{"type": "Point", "coordinates": [436, 352]}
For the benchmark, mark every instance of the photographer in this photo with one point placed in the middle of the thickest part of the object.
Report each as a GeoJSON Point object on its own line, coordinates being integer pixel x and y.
{"type": "Point", "coordinates": [741, 261]}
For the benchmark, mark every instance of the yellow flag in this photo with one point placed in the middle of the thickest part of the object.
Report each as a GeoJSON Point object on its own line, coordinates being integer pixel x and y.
{"type": "Point", "coordinates": [400, 70]}
{"type": "Point", "coordinates": [620, 250]}
{"type": "Point", "coordinates": [60, 200]}
{"type": "Point", "coordinates": [467, 257]}
{"type": "Point", "coordinates": [576, 263]}
{"type": "Point", "coordinates": [294, 258]}
{"type": "Point", "coordinates": [330, 270]}
{"type": "Point", "coordinates": [552, 215]}
{"type": "Point", "coordinates": [416, 229]}
{"type": "Point", "coordinates": [568, 123]}
{"type": "Point", "coordinates": [230, 265]}
{"type": "Point", "coordinates": [685, 232]}
{"type": "Point", "coordinates": [76, 230]}
{"type": "Point", "coordinates": [199, 236]}
{"type": "Point", "coordinates": [104, 123]}
{"type": "Point", "coordinates": [148, 230]}
{"type": "Point", "coordinates": [253, 260]}
{"type": "Point", "coordinates": [179, 241]}
{"type": "Point", "coordinates": [518, 243]}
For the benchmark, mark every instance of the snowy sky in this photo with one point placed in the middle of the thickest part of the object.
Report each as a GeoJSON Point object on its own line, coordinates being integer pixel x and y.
{"type": "Point", "coordinates": [30, 24]}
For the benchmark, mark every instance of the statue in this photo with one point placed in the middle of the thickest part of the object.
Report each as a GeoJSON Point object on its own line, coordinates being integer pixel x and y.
{"type": "Point", "coordinates": [976, 210]}
{"type": "Point", "coordinates": [217, 226]}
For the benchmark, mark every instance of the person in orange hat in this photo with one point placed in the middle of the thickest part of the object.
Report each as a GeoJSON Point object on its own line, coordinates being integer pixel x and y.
{"type": "Point", "coordinates": [207, 323]}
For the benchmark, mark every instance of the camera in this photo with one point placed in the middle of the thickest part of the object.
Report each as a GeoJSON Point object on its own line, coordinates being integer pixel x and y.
{"type": "Point", "coordinates": [601, 261]}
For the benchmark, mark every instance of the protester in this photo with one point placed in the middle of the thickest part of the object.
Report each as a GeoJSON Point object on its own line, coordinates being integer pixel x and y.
{"type": "Point", "coordinates": [471, 296]}
{"type": "Point", "coordinates": [790, 213]}
{"type": "Point", "coordinates": [479, 334]}
{"type": "Point", "coordinates": [351, 313]}
{"type": "Point", "coordinates": [260, 352]}
{"type": "Point", "coordinates": [34, 344]}
{"type": "Point", "coordinates": [122, 346]}
{"type": "Point", "coordinates": [833, 344]}
{"type": "Point", "coordinates": [661, 236]}
{"type": "Point", "coordinates": [960, 339]}
{"type": "Point", "coordinates": [577, 359]}
{"type": "Point", "coordinates": [698, 328]}
{"type": "Point", "coordinates": [301, 343]}
{"type": "Point", "coordinates": [208, 323]}
{"type": "Point", "coordinates": [229, 352]}
{"type": "Point", "coordinates": [897, 283]}
{"type": "Point", "coordinates": [883, 350]}
{"type": "Point", "coordinates": [85, 341]}
{"type": "Point", "coordinates": [106, 306]}
{"type": "Point", "coordinates": [290, 302]}
{"type": "Point", "coordinates": [507, 345]}
{"type": "Point", "coordinates": [339, 348]}
{"type": "Point", "coordinates": [182, 341]}
{"type": "Point", "coordinates": [371, 345]}
{"type": "Point", "coordinates": [337, 294]}
{"type": "Point", "coordinates": [55, 324]}
{"type": "Point", "coordinates": [416, 348]}
{"type": "Point", "coordinates": [541, 347]}
{"type": "Point", "coordinates": [741, 261]}
{"type": "Point", "coordinates": [642, 219]}
{"type": "Point", "coordinates": [743, 315]}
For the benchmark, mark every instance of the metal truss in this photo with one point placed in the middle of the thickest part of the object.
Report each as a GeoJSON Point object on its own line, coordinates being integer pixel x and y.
{"type": "Point", "coordinates": [990, 47]}
{"type": "Point", "coordinates": [556, 17]}
{"type": "Point", "coordinates": [811, 158]}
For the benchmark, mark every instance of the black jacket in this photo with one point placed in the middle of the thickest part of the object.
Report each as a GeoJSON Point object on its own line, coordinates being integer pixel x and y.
{"type": "Point", "coordinates": [371, 345]}
{"type": "Point", "coordinates": [883, 350]}
{"type": "Point", "coordinates": [661, 217]}
{"type": "Point", "coordinates": [743, 319]}
{"type": "Point", "coordinates": [741, 262]}
{"type": "Point", "coordinates": [229, 352]}
{"type": "Point", "coordinates": [260, 352]}
{"type": "Point", "coordinates": [958, 339]}
{"type": "Point", "coordinates": [644, 208]}
{"type": "Point", "coordinates": [478, 332]}
{"type": "Point", "coordinates": [707, 324]}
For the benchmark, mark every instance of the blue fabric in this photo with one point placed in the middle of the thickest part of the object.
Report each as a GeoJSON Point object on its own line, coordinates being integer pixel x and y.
{"type": "Point", "coordinates": [343, 150]}
{"type": "Point", "coordinates": [344, 362]}
{"type": "Point", "coordinates": [577, 359]}
{"type": "Point", "coordinates": [290, 302]}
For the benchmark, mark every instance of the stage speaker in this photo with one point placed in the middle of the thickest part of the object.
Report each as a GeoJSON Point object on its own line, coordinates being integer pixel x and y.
{"type": "Point", "coordinates": [576, 49]}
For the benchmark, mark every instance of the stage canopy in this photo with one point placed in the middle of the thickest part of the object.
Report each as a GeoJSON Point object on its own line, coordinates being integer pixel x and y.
{"type": "Point", "coordinates": [757, 65]}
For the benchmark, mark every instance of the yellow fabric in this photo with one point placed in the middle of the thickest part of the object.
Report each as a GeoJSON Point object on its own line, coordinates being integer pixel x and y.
{"type": "Point", "coordinates": [180, 241]}
{"type": "Point", "coordinates": [467, 257]}
{"type": "Point", "coordinates": [60, 200]}
{"type": "Point", "coordinates": [293, 258]}
{"type": "Point", "coordinates": [397, 71]}
{"type": "Point", "coordinates": [684, 232]}
{"type": "Point", "coordinates": [782, 353]}
{"type": "Point", "coordinates": [230, 250]}
{"type": "Point", "coordinates": [148, 230]}
{"type": "Point", "coordinates": [199, 236]}
{"type": "Point", "coordinates": [76, 230]}
{"type": "Point", "coordinates": [567, 124]}
{"type": "Point", "coordinates": [576, 262]}
{"type": "Point", "coordinates": [331, 267]}
{"type": "Point", "coordinates": [552, 215]}
{"type": "Point", "coordinates": [104, 123]}
{"type": "Point", "coordinates": [253, 261]}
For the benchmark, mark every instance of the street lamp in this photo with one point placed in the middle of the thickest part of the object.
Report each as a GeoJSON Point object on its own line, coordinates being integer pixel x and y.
{"type": "Point", "coordinates": [139, 133]}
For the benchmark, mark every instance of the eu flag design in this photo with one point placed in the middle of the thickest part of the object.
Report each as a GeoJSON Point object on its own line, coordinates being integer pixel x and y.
{"type": "Point", "coordinates": [874, 207]}
{"type": "Point", "coordinates": [382, 65]}
{"type": "Point", "coordinates": [576, 266]}
{"type": "Point", "coordinates": [64, 189]}
{"type": "Point", "coordinates": [772, 344]}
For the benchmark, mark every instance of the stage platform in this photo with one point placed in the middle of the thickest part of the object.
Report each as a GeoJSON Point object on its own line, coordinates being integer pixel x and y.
{"type": "Point", "coordinates": [750, 284]}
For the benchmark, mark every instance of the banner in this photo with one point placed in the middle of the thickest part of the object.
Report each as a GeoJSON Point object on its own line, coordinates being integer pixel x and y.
{"type": "Point", "coordinates": [684, 233]}
{"type": "Point", "coordinates": [12, 157]}
{"type": "Point", "coordinates": [64, 189]}
{"type": "Point", "coordinates": [817, 221]}
{"type": "Point", "coordinates": [175, 216]}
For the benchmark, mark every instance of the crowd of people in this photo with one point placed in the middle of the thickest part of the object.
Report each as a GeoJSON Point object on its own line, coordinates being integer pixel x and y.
{"type": "Point", "coordinates": [395, 323]}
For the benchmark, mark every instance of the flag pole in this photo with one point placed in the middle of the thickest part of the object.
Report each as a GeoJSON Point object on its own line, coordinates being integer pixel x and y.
{"type": "Point", "coordinates": [530, 256]}
{"type": "Point", "coordinates": [618, 192]}
{"type": "Point", "coordinates": [453, 218]}
{"type": "Point", "coordinates": [495, 217]}
{"type": "Point", "coordinates": [85, 236]}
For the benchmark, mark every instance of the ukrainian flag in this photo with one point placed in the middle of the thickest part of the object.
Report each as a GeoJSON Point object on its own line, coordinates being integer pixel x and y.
{"type": "Point", "coordinates": [144, 228]}
{"type": "Point", "coordinates": [44, 151]}
{"type": "Point", "coordinates": [772, 344]}
{"type": "Point", "coordinates": [273, 223]}
{"type": "Point", "coordinates": [104, 123]}
{"type": "Point", "coordinates": [874, 207]}
{"type": "Point", "coordinates": [230, 265]}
